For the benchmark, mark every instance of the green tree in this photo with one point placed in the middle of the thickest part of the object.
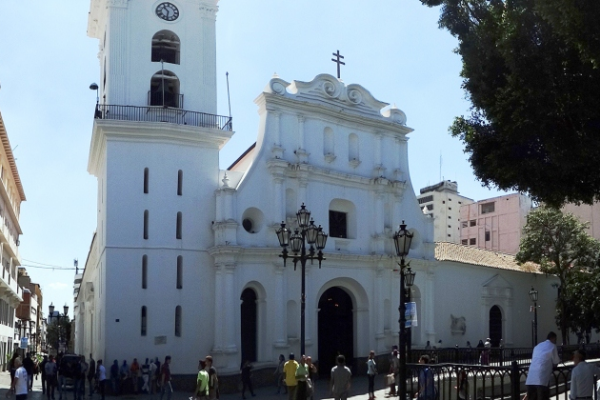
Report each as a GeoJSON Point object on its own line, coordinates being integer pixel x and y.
{"type": "Point", "coordinates": [533, 80]}
{"type": "Point", "coordinates": [561, 246]}
{"type": "Point", "coordinates": [583, 302]}
{"type": "Point", "coordinates": [59, 330]}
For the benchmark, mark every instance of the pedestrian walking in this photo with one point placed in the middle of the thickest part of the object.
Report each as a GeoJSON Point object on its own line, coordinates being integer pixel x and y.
{"type": "Point", "coordinates": [213, 379]}
{"type": "Point", "coordinates": [371, 372]}
{"type": "Point", "coordinates": [202, 381]}
{"type": "Point", "coordinates": [83, 370]}
{"type": "Point", "coordinates": [135, 374]}
{"type": "Point", "coordinates": [426, 381]}
{"type": "Point", "coordinates": [341, 379]}
{"type": "Point", "coordinates": [51, 378]}
{"type": "Point", "coordinates": [114, 378]}
{"type": "Point", "coordinates": [42, 369]}
{"type": "Point", "coordinates": [146, 377]}
{"type": "Point", "coordinates": [289, 369]}
{"type": "Point", "coordinates": [20, 383]}
{"type": "Point", "coordinates": [301, 378]}
{"type": "Point", "coordinates": [279, 375]}
{"type": "Point", "coordinates": [101, 378]}
{"type": "Point", "coordinates": [165, 379]}
{"type": "Point", "coordinates": [394, 371]}
{"type": "Point", "coordinates": [246, 369]}
{"type": "Point", "coordinates": [91, 375]}
{"type": "Point", "coordinates": [153, 376]}
{"type": "Point", "coordinates": [29, 365]}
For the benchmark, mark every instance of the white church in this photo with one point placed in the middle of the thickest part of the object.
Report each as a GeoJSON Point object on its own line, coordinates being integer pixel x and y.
{"type": "Point", "coordinates": [185, 259]}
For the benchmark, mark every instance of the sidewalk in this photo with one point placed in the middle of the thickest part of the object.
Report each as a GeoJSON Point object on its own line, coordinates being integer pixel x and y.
{"type": "Point", "coordinates": [358, 391]}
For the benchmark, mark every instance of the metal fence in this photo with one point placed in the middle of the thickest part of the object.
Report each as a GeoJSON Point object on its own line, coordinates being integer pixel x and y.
{"type": "Point", "coordinates": [483, 382]}
{"type": "Point", "coordinates": [163, 114]}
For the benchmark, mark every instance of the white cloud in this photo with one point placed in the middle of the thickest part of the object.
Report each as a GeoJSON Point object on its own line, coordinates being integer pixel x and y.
{"type": "Point", "coordinates": [58, 285]}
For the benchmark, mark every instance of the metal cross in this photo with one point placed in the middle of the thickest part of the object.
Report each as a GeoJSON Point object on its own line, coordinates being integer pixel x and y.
{"type": "Point", "coordinates": [338, 61]}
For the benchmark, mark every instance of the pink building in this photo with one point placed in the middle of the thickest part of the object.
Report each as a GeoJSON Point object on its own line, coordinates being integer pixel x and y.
{"type": "Point", "coordinates": [495, 224]}
{"type": "Point", "coordinates": [586, 213]}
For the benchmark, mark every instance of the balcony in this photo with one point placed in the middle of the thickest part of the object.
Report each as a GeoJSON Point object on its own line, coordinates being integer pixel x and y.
{"type": "Point", "coordinates": [171, 115]}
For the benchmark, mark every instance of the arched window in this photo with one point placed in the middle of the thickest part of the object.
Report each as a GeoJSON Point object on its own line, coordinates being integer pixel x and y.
{"type": "Point", "coordinates": [179, 183]}
{"type": "Point", "coordinates": [146, 224]}
{"type": "Point", "coordinates": [165, 47]}
{"type": "Point", "coordinates": [144, 271]}
{"type": "Point", "coordinates": [179, 272]}
{"type": "Point", "coordinates": [179, 223]}
{"type": "Point", "coordinates": [144, 327]}
{"type": "Point", "coordinates": [328, 142]}
{"type": "Point", "coordinates": [146, 173]}
{"type": "Point", "coordinates": [178, 321]}
{"type": "Point", "coordinates": [164, 90]}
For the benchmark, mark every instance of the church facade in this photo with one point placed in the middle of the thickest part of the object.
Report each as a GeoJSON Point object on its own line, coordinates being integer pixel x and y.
{"type": "Point", "coordinates": [185, 260]}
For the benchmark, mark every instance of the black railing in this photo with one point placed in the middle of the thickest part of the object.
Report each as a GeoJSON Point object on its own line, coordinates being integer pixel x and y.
{"type": "Point", "coordinates": [163, 114]}
{"type": "Point", "coordinates": [463, 381]}
{"type": "Point", "coordinates": [496, 356]}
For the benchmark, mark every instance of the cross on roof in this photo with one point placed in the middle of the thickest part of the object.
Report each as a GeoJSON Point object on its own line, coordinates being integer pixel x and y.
{"type": "Point", "coordinates": [338, 61]}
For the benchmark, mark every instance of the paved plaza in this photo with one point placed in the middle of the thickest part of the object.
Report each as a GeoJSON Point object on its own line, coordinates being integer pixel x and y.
{"type": "Point", "coordinates": [358, 392]}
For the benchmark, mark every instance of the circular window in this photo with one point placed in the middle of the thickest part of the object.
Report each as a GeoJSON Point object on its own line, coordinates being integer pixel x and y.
{"type": "Point", "coordinates": [252, 220]}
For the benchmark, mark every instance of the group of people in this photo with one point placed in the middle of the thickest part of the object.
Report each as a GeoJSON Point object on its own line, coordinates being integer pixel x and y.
{"type": "Point", "coordinates": [426, 382]}
{"type": "Point", "coordinates": [150, 377]}
{"type": "Point", "coordinates": [53, 374]}
{"type": "Point", "coordinates": [207, 383]}
{"type": "Point", "coordinates": [545, 358]}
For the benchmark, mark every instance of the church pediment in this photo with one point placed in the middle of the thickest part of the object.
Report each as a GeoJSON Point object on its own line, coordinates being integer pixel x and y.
{"type": "Point", "coordinates": [326, 89]}
{"type": "Point", "coordinates": [496, 286]}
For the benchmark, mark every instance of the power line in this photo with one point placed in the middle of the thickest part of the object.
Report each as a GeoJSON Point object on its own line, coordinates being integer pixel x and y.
{"type": "Point", "coordinates": [46, 265]}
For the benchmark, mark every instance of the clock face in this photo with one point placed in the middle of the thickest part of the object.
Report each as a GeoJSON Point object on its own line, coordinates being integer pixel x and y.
{"type": "Point", "coordinates": [167, 11]}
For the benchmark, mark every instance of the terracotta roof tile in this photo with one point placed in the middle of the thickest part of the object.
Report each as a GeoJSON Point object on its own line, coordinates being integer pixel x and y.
{"type": "Point", "coordinates": [445, 251]}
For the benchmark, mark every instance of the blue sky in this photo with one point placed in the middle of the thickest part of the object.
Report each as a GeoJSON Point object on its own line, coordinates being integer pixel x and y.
{"type": "Point", "coordinates": [392, 47]}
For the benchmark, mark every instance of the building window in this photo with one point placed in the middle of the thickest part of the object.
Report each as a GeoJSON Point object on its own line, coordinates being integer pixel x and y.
{"type": "Point", "coordinates": [146, 224]}
{"type": "Point", "coordinates": [178, 321]}
{"type": "Point", "coordinates": [353, 147]}
{"type": "Point", "coordinates": [443, 201]}
{"type": "Point", "coordinates": [144, 329]}
{"type": "Point", "coordinates": [166, 47]}
{"type": "Point", "coordinates": [464, 224]}
{"type": "Point", "coordinates": [449, 199]}
{"type": "Point", "coordinates": [178, 230]}
{"type": "Point", "coordinates": [179, 272]}
{"type": "Point", "coordinates": [338, 224]}
{"type": "Point", "coordinates": [425, 199]}
{"type": "Point", "coordinates": [164, 90]}
{"type": "Point", "coordinates": [488, 207]}
{"type": "Point", "coordinates": [429, 207]}
{"type": "Point", "coordinates": [144, 271]}
{"type": "Point", "coordinates": [449, 226]}
{"type": "Point", "coordinates": [460, 202]}
{"type": "Point", "coordinates": [472, 241]}
{"type": "Point", "coordinates": [179, 183]}
{"type": "Point", "coordinates": [449, 235]}
{"type": "Point", "coordinates": [487, 236]}
{"type": "Point", "coordinates": [449, 208]}
{"type": "Point", "coordinates": [465, 241]}
{"type": "Point", "coordinates": [146, 180]}
{"type": "Point", "coordinates": [449, 216]}
{"type": "Point", "coordinates": [473, 222]}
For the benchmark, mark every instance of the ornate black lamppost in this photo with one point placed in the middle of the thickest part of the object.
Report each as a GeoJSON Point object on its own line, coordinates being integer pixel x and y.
{"type": "Point", "coordinates": [306, 232]}
{"type": "Point", "coordinates": [402, 240]}
{"type": "Point", "coordinates": [533, 295]}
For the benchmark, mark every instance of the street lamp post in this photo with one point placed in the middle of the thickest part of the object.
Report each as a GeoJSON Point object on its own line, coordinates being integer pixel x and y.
{"type": "Point", "coordinates": [402, 241]}
{"type": "Point", "coordinates": [533, 295]}
{"type": "Point", "coordinates": [306, 232]}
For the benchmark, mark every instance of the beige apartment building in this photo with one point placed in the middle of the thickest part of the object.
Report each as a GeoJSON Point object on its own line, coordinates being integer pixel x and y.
{"type": "Point", "coordinates": [442, 203]}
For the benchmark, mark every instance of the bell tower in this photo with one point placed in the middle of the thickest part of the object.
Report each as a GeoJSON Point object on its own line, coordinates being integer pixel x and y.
{"type": "Point", "coordinates": [156, 53]}
{"type": "Point", "coordinates": [155, 153]}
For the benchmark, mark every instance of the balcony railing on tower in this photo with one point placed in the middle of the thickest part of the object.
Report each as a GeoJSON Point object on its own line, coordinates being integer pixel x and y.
{"type": "Point", "coordinates": [161, 113]}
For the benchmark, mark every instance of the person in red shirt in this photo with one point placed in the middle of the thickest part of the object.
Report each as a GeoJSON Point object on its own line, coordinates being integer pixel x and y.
{"type": "Point", "coordinates": [165, 379]}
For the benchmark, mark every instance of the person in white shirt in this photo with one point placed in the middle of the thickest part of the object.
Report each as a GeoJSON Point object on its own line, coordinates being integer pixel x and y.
{"type": "Point", "coordinates": [582, 377]}
{"type": "Point", "coordinates": [543, 360]}
{"type": "Point", "coordinates": [19, 385]}
{"type": "Point", "coordinates": [101, 377]}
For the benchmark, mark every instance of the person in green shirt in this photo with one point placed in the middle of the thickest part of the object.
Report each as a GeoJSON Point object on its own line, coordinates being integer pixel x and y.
{"type": "Point", "coordinates": [202, 381]}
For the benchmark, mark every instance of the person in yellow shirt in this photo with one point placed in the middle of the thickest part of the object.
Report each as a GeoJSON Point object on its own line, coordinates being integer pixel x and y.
{"type": "Point", "coordinates": [202, 382]}
{"type": "Point", "coordinates": [289, 370]}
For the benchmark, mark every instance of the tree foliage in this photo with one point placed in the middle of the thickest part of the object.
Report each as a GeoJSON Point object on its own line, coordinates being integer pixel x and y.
{"type": "Point", "coordinates": [530, 70]}
{"type": "Point", "coordinates": [561, 246]}
{"type": "Point", "coordinates": [58, 330]}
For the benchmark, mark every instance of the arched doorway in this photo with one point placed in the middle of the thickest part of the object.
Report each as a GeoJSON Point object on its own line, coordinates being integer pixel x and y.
{"type": "Point", "coordinates": [248, 325]}
{"type": "Point", "coordinates": [336, 329]}
{"type": "Point", "coordinates": [495, 325]}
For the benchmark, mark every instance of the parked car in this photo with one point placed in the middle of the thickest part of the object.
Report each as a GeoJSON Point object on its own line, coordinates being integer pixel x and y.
{"type": "Point", "coordinates": [69, 367]}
